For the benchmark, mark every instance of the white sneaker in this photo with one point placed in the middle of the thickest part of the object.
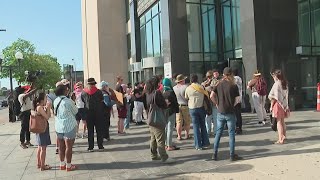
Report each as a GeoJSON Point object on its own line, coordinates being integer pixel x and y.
{"type": "Point", "coordinates": [169, 161]}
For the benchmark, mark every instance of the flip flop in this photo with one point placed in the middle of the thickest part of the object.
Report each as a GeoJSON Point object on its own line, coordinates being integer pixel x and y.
{"type": "Point", "coordinates": [46, 167]}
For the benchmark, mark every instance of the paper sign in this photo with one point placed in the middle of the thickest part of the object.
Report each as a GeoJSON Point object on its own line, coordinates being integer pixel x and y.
{"type": "Point", "coordinates": [167, 70]}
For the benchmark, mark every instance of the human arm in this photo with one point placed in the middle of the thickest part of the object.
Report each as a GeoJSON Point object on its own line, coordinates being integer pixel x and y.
{"type": "Point", "coordinates": [44, 113]}
{"type": "Point", "coordinates": [251, 83]}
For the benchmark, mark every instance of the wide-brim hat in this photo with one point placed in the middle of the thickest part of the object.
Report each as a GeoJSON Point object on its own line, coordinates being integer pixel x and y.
{"type": "Point", "coordinates": [257, 73]}
{"type": "Point", "coordinates": [180, 78]}
{"type": "Point", "coordinates": [91, 81]}
{"type": "Point", "coordinates": [63, 82]}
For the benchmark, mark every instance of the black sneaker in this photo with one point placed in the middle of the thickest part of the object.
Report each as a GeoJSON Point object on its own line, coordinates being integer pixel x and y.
{"type": "Point", "coordinates": [28, 144]}
{"type": "Point", "coordinates": [214, 157]}
{"type": "Point", "coordinates": [235, 158]}
{"type": "Point", "coordinates": [90, 150]}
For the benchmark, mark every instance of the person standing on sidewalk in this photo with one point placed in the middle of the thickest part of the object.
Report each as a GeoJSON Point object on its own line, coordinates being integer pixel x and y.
{"type": "Point", "coordinates": [138, 103]}
{"type": "Point", "coordinates": [158, 136]}
{"type": "Point", "coordinates": [258, 86]}
{"type": "Point", "coordinates": [122, 110]}
{"type": "Point", "coordinates": [26, 106]}
{"type": "Point", "coordinates": [95, 108]}
{"type": "Point", "coordinates": [42, 107]}
{"type": "Point", "coordinates": [238, 82]}
{"type": "Point", "coordinates": [195, 95]}
{"type": "Point", "coordinates": [12, 117]}
{"type": "Point", "coordinates": [279, 103]}
{"type": "Point", "coordinates": [226, 93]}
{"type": "Point", "coordinates": [65, 125]}
{"type": "Point", "coordinates": [183, 116]}
{"type": "Point", "coordinates": [82, 114]}
{"type": "Point", "coordinates": [171, 100]}
{"type": "Point", "coordinates": [207, 85]}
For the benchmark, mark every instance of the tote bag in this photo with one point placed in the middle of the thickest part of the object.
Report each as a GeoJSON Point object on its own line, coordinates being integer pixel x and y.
{"type": "Point", "coordinates": [157, 117]}
{"type": "Point", "coordinates": [38, 124]}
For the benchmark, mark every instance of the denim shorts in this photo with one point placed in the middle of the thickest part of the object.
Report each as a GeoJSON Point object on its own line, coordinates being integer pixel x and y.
{"type": "Point", "coordinates": [68, 135]}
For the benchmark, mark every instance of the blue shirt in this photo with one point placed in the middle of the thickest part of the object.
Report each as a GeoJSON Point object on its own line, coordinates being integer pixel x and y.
{"type": "Point", "coordinates": [66, 115]}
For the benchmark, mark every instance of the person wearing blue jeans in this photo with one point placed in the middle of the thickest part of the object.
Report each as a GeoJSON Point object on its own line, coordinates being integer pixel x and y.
{"type": "Point", "coordinates": [195, 94]}
{"type": "Point", "coordinates": [226, 94]}
{"type": "Point", "coordinates": [201, 139]}
{"type": "Point", "coordinates": [212, 119]}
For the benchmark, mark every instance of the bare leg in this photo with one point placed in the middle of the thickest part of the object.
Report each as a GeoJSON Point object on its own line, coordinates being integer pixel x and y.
{"type": "Point", "coordinates": [84, 122]}
{"type": "Point", "coordinates": [179, 130]}
{"type": "Point", "coordinates": [187, 129]}
{"type": "Point", "coordinates": [62, 150]}
{"type": "Point", "coordinates": [43, 156]}
{"type": "Point", "coordinates": [69, 144]}
{"type": "Point", "coordinates": [280, 131]}
{"type": "Point", "coordinates": [38, 157]}
{"type": "Point", "coordinates": [284, 129]}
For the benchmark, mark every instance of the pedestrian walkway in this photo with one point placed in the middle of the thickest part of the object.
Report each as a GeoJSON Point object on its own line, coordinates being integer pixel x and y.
{"type": "Point", "coordinates": [128, 157]}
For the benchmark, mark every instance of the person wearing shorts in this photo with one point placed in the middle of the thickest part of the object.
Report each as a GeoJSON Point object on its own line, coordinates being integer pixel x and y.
{"type": "Point", "coordinates": [82, 114]}
{"type": "Point", "coordinates": [65, 126]}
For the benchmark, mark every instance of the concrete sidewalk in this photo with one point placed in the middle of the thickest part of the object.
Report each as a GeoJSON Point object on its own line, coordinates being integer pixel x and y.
{"type": "Point", "coordinates": [128, 157]}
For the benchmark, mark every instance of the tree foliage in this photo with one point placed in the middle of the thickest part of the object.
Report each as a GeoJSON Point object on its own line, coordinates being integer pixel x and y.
{"type": "Point", "coordinates": [32, 62]}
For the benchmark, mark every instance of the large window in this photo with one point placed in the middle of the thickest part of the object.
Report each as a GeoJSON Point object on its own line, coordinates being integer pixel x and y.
{"type": "Point", "coordinates": [231, 28]}
{"type": "Point", "coordinates": [150, 32]}
{"type": "Point", "coordinates": [309, 26]}
{"type": "Point", "coordinates": [202, 35]}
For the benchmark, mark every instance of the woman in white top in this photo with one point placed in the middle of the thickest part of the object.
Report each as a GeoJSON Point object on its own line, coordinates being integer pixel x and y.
{"type": "Point", "coordinates": [279, 103]}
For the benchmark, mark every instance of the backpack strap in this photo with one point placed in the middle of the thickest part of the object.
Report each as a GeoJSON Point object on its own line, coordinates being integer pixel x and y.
{"type": "Point", "coordinates": [56, 111]}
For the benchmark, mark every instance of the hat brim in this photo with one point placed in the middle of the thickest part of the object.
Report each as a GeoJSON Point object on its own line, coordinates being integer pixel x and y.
{"type": "Point", "coordinates": [92, 83]}
{"type": "Point", "coordinates": [259, 74]}
{"type": "Point", "coordinates": [177, 81]}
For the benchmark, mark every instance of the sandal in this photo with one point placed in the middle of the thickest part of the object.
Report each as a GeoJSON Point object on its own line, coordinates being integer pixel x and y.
{"type": "Point", "coordinates": [278, 142]}
{"type": "Point", "coordinates": [179, 138]}
{"type": "Point", "coordinates": [72, 168]}
{"type": "Point", "coordinates": [46, 167]}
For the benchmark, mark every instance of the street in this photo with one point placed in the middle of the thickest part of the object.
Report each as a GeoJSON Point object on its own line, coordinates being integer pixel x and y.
{"type": "Point", "coordinates": [128, 157]}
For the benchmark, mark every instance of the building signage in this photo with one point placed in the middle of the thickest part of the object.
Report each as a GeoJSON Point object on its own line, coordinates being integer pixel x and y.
{"type": "Point", "coordinates": [143, 5]}
{"type": "Point", "coordinates": [167, 70]}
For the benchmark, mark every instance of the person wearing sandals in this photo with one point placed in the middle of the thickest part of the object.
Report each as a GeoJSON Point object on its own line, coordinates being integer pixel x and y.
{"type": "Point", "coordinates": [65, 125]}
{"type": "Point", "coordinates": [183, 116]}
{"type": "Point", "coordinates": [279, 103]}
{"type": "Point", "coordinates": [171, 100]}
{"type": "Point", "coordinates": [42, 107]}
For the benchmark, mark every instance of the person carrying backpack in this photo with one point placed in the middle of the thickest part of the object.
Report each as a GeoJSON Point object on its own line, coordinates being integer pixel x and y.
{"type": "Point", "coordinates": [258, 86]}
{"type": "Point", "coordinates": [24, 108]}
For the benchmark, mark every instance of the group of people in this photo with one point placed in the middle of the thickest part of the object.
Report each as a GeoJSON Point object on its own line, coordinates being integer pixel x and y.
{"type": "Point", "coordinates": [215, 102]}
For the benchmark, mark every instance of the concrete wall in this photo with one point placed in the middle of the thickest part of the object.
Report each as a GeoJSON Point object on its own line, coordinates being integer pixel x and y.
{"type": "Point", "coordinates": [104, 37]}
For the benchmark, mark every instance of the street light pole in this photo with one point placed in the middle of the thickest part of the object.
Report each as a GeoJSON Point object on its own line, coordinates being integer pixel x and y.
{"type": "Point", "coordinates": [10, 76]}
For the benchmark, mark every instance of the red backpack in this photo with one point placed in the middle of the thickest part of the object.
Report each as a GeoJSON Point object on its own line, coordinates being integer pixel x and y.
{"type": "Point", "coordinates": [261, 87]}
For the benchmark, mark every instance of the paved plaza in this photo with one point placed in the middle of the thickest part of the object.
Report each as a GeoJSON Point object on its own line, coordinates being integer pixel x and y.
{"type": "Point", "coordinates": [128, 157]}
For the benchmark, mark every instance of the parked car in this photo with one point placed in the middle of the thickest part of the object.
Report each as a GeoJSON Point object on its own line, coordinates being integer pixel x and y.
{"type": "Point", "coordinates": [4, 103]}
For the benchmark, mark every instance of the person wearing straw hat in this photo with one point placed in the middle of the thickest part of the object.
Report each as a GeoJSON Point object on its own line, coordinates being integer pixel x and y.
{"type": "Point", "coordinates": [94, 105]}
{"type": "Point", "coordinates": [258, 86]}
{"type": "Point", "coordinates": [183, 117]}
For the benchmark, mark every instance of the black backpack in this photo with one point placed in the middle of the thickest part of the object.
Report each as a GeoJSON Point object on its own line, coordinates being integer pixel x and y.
{"type": "Point", "coordinates": [16, 104]}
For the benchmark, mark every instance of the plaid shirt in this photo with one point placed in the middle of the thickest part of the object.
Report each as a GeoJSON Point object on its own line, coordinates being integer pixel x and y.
{"type": "Point", "coordinates": [66, 115]}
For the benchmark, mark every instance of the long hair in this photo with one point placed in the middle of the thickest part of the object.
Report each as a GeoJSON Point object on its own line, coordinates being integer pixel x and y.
{"type": "Point", "coordinates": [152, 84]}
{"type": "Point", "coordinates": [279, 74]}
{"type": "Point", "coordinates": [41, 96]}
{"type": "Point", "coordinates": [229, 78]}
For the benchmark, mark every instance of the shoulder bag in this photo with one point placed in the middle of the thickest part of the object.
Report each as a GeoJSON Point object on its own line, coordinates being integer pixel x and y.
{"type": "Point", "coordinates": [206, 99]}
{"type": "Point", "coordinates": [157, 117]}
{"type": "Point", "coordinates": [38, 124]}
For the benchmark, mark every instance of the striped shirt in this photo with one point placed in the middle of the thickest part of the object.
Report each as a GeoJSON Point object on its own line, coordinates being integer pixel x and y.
{"type": "Point", "coordinates": [66, 115]}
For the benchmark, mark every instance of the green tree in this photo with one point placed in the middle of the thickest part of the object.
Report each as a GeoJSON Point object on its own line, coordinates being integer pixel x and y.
{"type": "Point", "coordinates": [31, 62]}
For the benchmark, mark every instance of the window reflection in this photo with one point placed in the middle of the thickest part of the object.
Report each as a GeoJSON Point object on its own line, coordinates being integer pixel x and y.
{"type": "Point", "coordinates": [150, 33]}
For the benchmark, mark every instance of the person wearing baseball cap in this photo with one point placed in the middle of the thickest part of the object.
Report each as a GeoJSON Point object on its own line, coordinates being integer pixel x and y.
{"type": "Point", "coordinates": [26, 106]}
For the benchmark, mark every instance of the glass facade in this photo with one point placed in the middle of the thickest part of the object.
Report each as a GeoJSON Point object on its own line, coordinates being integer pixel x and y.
{"type": "Point", "coordinates": [150, 32]}
{"type": "Point", "coordinates": [230, 10]}
{"type": "Point", "coordinates": [309, 26]}
{"type": "Point", "coordinates": [202, 35]}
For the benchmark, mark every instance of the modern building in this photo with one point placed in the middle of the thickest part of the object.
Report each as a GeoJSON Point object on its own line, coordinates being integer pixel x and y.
{"type": "Point", "coordinates": [141, 38]}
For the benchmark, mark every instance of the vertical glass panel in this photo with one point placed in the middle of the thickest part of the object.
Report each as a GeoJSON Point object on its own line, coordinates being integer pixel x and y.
{"type": "Point", "coordinates": [197, 68]}
{"type": "Point", "coordinates": [227, 26]}
{"type": "Point", "coordinates": [236, 24]}
{"type": "Point", "coordinates": [195, 57]}
{"type": "Point", "coordinates": [129, 46]}
{"type": "Point", "coordinates": [208, 1]}
{"type": "Point", "coordinates": [304, 23]}
{"type": "Point", "coordinates": [315, 4]}
{"type": "Point", "coordinates": [149, 39]}
{"type": "Point", "coordinates": [229, 55]}
{"type": "Point", "coordinates": [155, 9]}
{"type": "Point", "coordinates": [142, 20]}
{"type": "Point", "coordinates": [156, 36]}
{"type": "Point", "coordinates": [210, 57]}
{"type": "Point", "coordinates": [316, 27]}
{"type": "Point", "coordinates": [143, 42]}
{"type": "Point", "coordinates": [205, 29]}
{"type": "Point", "coordinates": [212, 29]}
{"type": "Point", "coordinates": [194, 28]}
{"type": "Point", "coordinates": [148, 15]}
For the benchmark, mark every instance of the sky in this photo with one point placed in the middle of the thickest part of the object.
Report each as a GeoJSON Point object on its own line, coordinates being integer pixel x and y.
{"type": "Point", "coordinates": [53, 26]}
